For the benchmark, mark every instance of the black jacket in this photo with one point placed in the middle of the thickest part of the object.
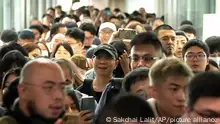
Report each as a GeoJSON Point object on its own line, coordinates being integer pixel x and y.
{"type": "Point", "coordinates": [19, 116]}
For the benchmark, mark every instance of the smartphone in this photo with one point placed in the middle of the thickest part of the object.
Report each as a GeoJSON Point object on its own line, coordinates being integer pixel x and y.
{"type": "Point", "coordinates": [71, 118]}
{"type": "Point", "coordinates": [88, 103]}
{"type": "Point", "coordinates": [127, 34]}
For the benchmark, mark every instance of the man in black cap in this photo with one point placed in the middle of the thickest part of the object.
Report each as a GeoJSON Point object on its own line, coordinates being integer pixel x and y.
{"type": "Point", "coordinates": [104, 62]}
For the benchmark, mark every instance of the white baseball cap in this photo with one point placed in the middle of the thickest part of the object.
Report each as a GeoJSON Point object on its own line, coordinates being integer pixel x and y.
{"type": "Point", "coordinates": [107, 25]}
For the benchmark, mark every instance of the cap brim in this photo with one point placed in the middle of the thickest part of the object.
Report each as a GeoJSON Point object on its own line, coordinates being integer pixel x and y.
{"type": "Point", "coordinates": [112, 54]}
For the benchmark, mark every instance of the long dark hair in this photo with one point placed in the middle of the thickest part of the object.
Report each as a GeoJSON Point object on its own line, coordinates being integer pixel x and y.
{"type": "Point", "coordinates": [65, 45]}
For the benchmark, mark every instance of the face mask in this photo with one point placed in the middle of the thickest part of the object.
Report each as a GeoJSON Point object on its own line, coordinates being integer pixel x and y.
{"type": "Point", "coordinates": [216, 59]}
{"type": "Point", "coordinates": [44, 53]}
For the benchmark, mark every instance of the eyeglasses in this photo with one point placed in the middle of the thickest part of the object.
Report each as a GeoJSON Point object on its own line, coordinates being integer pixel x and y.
{"type": "Point", "coordinates": [145, 58]}
{"type": "Point", "coordinates": [197, 56]}
{"type": "Point", "coordinates": [50, 88]}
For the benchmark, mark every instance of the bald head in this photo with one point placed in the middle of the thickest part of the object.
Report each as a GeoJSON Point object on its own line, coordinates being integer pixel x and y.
{"type": "Point", "coordinates": [37, 68]}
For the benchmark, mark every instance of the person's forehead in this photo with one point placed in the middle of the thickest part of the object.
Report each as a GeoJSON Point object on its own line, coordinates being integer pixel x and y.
{"type": "Point", "coordinates": [107, 29]}
{"type": "Point", "coordinates": [166, 32]}
{"type": "Point", "coordinates": [174, 80]}
{"type": "Point", "coordinates": [195, 49]}
{"type": "Point", "coordinates": [210, 103]}
{"type": "Point", "coordinates": [35, 51]}
{"type": "Point", "coordinates": [87, 33]}
{"type": "Point", "coordinates": [180, 37]}
{"type": "Point", "coordinates": [143, 49]}
{"type": "Point", "coordinates": [61, 48]}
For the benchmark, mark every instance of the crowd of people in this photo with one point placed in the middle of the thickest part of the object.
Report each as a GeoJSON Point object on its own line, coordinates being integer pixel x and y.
{"type": "Point", "coordinates": [77, 67]}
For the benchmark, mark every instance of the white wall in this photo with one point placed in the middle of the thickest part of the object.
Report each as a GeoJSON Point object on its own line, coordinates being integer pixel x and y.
{"type": "Point", "coordinates": [132, 5]}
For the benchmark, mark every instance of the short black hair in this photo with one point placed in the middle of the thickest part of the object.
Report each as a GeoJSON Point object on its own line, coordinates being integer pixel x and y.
{"type": "Point", "coordinates": [65, 45]}
{"type": "Point", "coordinates": [9, 35]}
{"type": "Point", "coordinates": [198, 43]}
{"type": "Point", "coordinates": [26, 34]}
{"type": "Point", "coordinates": [51, 8]}
{"type": "Point", "coordinates": [117, 10]}
{"type": "Point", "coordinates": [123, 107]}
{"type": "Point", "coordinates": [88, 27]}
{"type": "Point", "coordinates": [147, 38]}
{"type": "Point", "coordinates": [135, 75]}
{"type": "Point", "coordinates": [76, 33]}
{"type": "Point", "coordinates": [37, 27]}
{"type": "Point", "coordinates": [213, 43]}
{"type": "Point", "coordinates": [10, 95]}
{"type": "Point", "coordinates": [44, 15]}
{"type": "Point", "coordinates": [12, 46]}
{"type": "Point", "coordinates": [205, 84]}
{"type": "Point", "coordinates": [181, 33]}
{"type": "Point", "coordinates": [162, 27]}
{"type": "Point", "coordinates": [55, 29]}
{"type": "Point", "coordinates": [86, 12]}
{"type": "Point", "coordinates": [188, 29]}
{"type": "Point", "coordinates": [186, 22]}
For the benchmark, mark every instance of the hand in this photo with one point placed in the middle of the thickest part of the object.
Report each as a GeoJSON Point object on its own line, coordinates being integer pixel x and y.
{"type": "Point", "coordinates": [85, 114]}
{"type": "Point", "coordinates": [114, 36]}
{"type": "Point", "coordinates": [59, 121]}
{"type": "Point", "coordinates": [124, 62]}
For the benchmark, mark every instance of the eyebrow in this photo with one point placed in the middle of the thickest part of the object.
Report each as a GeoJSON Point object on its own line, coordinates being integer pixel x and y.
{"type": "Point", "coordinates": [174, 84]}
{"type": "Point", "coordinates": [194, 52]}
{"type": "Point", "coordinates": [53, 83]}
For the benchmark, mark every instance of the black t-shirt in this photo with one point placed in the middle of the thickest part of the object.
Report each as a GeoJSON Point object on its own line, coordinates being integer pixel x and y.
{"type": "Point", "coordinates": [88, 89]}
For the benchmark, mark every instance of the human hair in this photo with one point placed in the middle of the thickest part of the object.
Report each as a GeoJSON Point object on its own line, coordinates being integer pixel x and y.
{"type": "Point", "coordinates": [88, 27]}
{"type": "Point", "coordinates": [114, 17]}
{"type": "Point", "coordinates": [58, 7]}
{"type": "Point", "coordinates": [15, 71]}
{"type": "Point", "coordinates": [12, 46]}
{"type": "Point", "coordinates": [76, 33]}
{"type": "Point", "coordinates": [44, 46]}
{"type": "Point", "coordinates": [30, 47]}
{"type": "Point", "coordinates": [65, 45]}
{"type": "Point", "coordinates": [186, 22]}
{"type": "Point", "coordinates": [26, 34]}
{"type": "Point", "coordinates": [86, 13]}
{"type": "Point", "coordinates": [80, 61]}
{"type": "Point", "coordinates": [198, 43]}
{"type": "Point", "coordinates": [46, 15]}
{"type": "Point", "coordinates": [211, 63]}
{"type": "Point", "coordinates": [51, 8]}
{"type": "Point", "coordinates": [147, 38]}
{"type": "Point", "coordinates": [119, 46]}
{"type": "Point", "coordinates": [135, 75]}
{"type": "Point", "coordinates": [55, 28]}
{"type": "Point", "coordinates": [188, 29]}
{"type": "Point", "coordinates": [37, 27]}
{"type": "Point", "coordinates": [162, 27]}
{"type": "Point", "coordinates": [181, 33]}
{"type": "Point", "coordinates": [123, 107]}
{"type": "Point", "coordinates": [9, 35]}
{"type": "Point", "coordinates": [10, 94]}
{"type": "Point", "coordinates": [66, 64]}
{"type": "Point", "coordinates": [7, 120]}
{"type": "Point", "coordinates": [117, 10]}
{"type": "Point", "coordinates": [205, 84]}
{"type": "Point", "coordinates": [213, 43]}
{"type": "Point", "coordinates": [164, 68]}
{"type": "Point", "coordinates": [71, 25]}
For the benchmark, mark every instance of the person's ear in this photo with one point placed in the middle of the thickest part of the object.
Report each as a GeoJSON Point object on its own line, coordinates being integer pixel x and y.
{"type": "Point", "coordinates": [22, 91]}
{"type": "Point", "coordinates": [153, 92]}
{"type": "Point", "coordinates": [116, 63]}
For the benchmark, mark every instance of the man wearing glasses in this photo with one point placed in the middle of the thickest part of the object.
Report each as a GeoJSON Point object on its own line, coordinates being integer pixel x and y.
{"type": "Point", "coordinates": [41, 93]}
{"type": "Point", "coordinates": [204, 99]}
{"type": "Point", "coordinates": [145, 50]}
{"type": "Point", "coordinates": [196, 54]}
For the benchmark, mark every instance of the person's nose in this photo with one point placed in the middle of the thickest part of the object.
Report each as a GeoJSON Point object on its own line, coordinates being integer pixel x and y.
{"type": "Point", "coordinates": [181, 96]}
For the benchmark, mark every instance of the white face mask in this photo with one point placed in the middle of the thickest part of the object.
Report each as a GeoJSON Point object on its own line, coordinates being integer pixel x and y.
{"type": "Point", "coordinates": [44, 53]}
{"type": "Point", "coordinates": [216, 59]}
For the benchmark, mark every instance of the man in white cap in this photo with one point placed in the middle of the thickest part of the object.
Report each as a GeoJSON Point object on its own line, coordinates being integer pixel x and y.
{"type": "Point", "coordinates": [105, 31]}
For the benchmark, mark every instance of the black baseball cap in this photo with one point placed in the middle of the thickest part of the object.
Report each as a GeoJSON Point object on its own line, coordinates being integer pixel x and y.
{"type": "Point", "coordinates": [108, 48]}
